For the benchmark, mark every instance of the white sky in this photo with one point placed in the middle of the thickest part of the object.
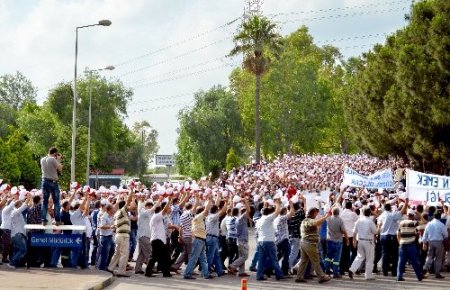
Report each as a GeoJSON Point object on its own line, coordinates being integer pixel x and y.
{"type": "Point", "coordinates": [38, 37]}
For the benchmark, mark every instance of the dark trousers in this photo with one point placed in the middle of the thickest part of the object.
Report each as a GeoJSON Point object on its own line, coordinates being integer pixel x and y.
{"type": "Point", "coordinates": [347, 257]}
{"type": "Point", "coordinates": [133, 243]}
{"type": "Point", "coordinates": [389, 252]}
{"type": "Point", "coordinates": [377, 253]}
{"type": "Point", "coordinates": [233, 250]}
{"type": "Point", "coordinates": [160, 254]}
{"type": "Point", "coordinates": [175, 247]}
{"type": "Point", "coordinates": [5, 244]}
{"type": "Point", "coordinates": [223, 250]}
{"type": "Point", "coordinates": [94, 249]}
{"type": "Point", "coordinates": [284, 251]}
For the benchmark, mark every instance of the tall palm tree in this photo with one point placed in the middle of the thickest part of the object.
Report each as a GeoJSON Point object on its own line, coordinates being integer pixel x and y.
{"type": "Point", "coordinates": [256, 36]}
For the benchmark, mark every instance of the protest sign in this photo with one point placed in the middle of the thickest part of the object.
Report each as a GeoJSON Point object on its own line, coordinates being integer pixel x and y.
{"type": "Point", "coordinates": [380, 179]}
{"type": "Point", "coordinates": [427, 187]}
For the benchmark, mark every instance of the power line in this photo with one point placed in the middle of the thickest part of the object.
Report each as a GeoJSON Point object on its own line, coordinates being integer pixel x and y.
{"type": "Point", "coordinates": [184, 75]}
{"type": "Point", "coordinates": [160, 108]}
{"type": "Point", "coordinates": [347, 15]}
{"type": "Point", "coordinates": [317, 11]}
{"type": "Point", "coordinates": [175, 57]}
{"type": "Point", "coordinates": [177, 43]}
{"type": "Point", "coordinates": [177, 71]}
{"type": "Point", "coordinates": [161, 98]}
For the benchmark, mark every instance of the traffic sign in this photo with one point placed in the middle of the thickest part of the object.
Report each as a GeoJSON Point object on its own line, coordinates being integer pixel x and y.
{"type": "Point", "coordinates": [165, 160]}
{"type": "Point", "coordinates": [56, 240]}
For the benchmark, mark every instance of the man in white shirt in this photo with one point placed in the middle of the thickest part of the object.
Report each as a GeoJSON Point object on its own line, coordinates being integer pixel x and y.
{"type": "Point", "coordinates": [364, 231]}
{"type": "Point", "coordinates": [145, 212]}
{"type": "Point", "coordinates": [349, 217]}
{"type": "Point", "coordinates": [158, 239]}
{"type": "Point", "coordinates": [77, 219]}
{"type": "Point", "coordinates": [5, 245]}
{"type": "Point", "coordinates": [18, 234]}
{"type": "Point", "coordinates": [266, 242]}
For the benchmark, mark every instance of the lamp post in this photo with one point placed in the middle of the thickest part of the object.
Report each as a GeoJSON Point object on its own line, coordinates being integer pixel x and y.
{"type": "Point", "coordinates": [75, 97]}
{"type": "Point", "coordinates": [88, 154]}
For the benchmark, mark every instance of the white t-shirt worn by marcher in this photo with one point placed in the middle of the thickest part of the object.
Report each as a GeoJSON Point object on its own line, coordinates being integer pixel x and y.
{"type": "Point", "coordinates": [157, 228]}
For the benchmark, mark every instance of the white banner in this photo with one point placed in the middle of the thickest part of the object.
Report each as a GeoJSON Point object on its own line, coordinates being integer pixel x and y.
{"type": "Point", "coordinates": [427, 187]}
{"type": "Point", "coordinates": [380, 179]}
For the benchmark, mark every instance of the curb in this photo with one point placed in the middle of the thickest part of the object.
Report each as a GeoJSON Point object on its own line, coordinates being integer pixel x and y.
{"type": "Point", "coordinates": [103, 284]}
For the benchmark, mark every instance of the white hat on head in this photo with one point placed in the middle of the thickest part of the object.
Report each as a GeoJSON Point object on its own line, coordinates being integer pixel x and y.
{"type": "Point", "coordinates": [294, 199]}
{"type": "Point", "coordinates": [113, 188]}
{"type": "Point", "coordinates": [239, 205]}
{"type": "Point", "coordinates": [411, 212]}
{"type": "Point", "coordinates": [22, 194]}
{"type": "Point", "coordinates": [236, 198]}
{"type": "Point", "coordinates": [104, 202]}
{"type": "Point", "coordinates": [14, 190]}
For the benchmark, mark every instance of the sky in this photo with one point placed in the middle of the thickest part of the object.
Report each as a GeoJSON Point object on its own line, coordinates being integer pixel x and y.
{"type": "Point", "coordinates": [168, 50]}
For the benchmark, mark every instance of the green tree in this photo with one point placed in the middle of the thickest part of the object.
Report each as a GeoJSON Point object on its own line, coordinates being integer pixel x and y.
{"type": "Point", "coordinates": [398, 101]}
{"type": "Point", "coordinates": [27, 163]}
{"type": "Point", "coordinates": [232, 160]}
{"type": "Point", "coordinates": [207, 132]}
{"type": "Point", "coordinates": [301, 105]}
{"type": "Point", "coordinates": [9, 168]}
{"type": "Point", "coordinates": [16, 90]}
{"type": "Point", "coordinates": [257, 39]}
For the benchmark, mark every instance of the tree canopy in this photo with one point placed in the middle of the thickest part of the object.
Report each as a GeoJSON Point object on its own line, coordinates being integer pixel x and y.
{"type": "Point", "coordinates": [398, 99]}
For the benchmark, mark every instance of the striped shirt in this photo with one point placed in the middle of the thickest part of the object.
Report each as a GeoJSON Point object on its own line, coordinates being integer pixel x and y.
{"type": "Point", "coordinates": [231, 224]}
{"type": "Point", "coordinates": [122, 222]}
{"type": "Point", "coordinates": [186, 223]}
{"type": "Point", "coordinates": [407, 230]}
{"type": "Point", "coordinates": [281, 228]}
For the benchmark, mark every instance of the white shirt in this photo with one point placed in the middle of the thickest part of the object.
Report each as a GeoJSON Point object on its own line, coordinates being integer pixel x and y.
{"type": "Point", "coordinates": [77, 219]}
{"type": "Point", "coordinates": [144, 217]}
{"type": "Point", "coordinates": [157, 228]}
{"type": "Point", "coordinates": [6, 216]}
{"type": "Point", "coordinates": [17, 221]}
{"type": "Point", "coordinates": [349, 217]}
{"type": "Point", "coordinates": [265, 228]}
{"type": "Point", "coordinates": [365, 228]}
{"type": "Point", "coordinates": [87, 223]}
{"type": "Point", "coordinates": [106, 220]}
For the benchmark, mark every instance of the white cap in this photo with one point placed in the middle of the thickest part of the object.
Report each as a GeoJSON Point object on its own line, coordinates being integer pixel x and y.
{"type": "Point", "coordinates": [411, 212]}
{"type": "Point", "coordinates": [104, 202]}
{"type": "Point", "coordinates": [236, 198]}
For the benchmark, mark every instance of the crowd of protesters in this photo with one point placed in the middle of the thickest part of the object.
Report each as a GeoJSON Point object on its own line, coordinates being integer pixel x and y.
{"type": "Point", "coordinates": [204, 224]}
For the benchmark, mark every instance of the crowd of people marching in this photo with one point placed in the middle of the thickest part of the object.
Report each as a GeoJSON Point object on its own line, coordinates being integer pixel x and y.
{"type": "Point", "coordinates": [202, 228]}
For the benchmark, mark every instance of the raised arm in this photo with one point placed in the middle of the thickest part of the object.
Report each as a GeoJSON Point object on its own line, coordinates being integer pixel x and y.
{"type": "Point", "coordinates": [405, 207]}
{"type": "Point", "coordinates": [167, 207]}
{"type": "Point", "coordinates": [184, 199]}
{"type": "Point", "coordinates": [207, 207]}
{"type": "Point", "coordinates": [320, 221]}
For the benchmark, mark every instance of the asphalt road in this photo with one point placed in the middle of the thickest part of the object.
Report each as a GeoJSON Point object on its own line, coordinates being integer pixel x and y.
{"type": "Point", "coordinates": [231, 282]}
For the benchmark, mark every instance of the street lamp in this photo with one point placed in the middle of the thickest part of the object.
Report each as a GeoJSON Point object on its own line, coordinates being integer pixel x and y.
{"type": "Point", "coordinates": [88, 154]}
{"type": "Point", "coordinates": [104, 22]}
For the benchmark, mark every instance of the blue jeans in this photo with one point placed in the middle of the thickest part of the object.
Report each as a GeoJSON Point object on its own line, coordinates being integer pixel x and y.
{"type": "Point", "coordinates": [198, 254]}
{"type": "Point", "coordinates": [284, 250]}
{"type": "Point", "coordinates": [295, 252]}
{"type": "Point", "coordinates": [133, 234]}
{"type": "Point", "coordinates": [213, 255]}
{"type": "Point", "coordinates": [107, 243]}
{"type": "Point", "coordinates": [333, 258]}
{"type": "Point", "coordinates": [409, 252]}
{"type": "Point", "coordinates": [267, 256]}
{"type": "Point", "coordinates": [19, 244]}
{"type": "Point", "coordinates": [255, 258]}
{"type": "Point", "coordinates": [50, 188]}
